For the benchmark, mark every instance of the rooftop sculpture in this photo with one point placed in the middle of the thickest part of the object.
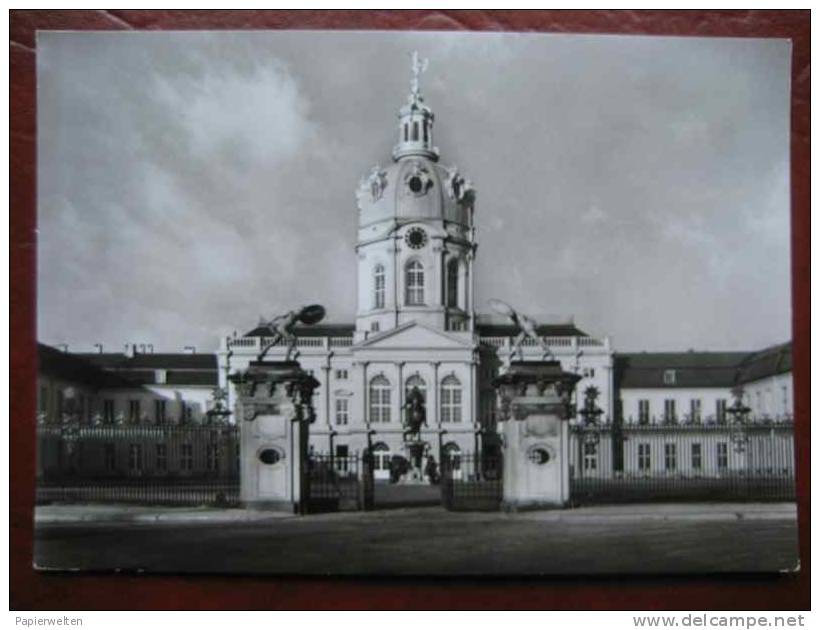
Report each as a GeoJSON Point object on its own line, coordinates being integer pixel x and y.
{"type": "Point", "coordinates": [527, 329]}
{"type": "Point", "coordinates": [281, 328]}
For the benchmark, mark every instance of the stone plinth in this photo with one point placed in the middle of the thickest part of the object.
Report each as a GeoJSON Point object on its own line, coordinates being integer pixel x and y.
{"type": "Point", "coordinates": [533, 399]}
{"type": "Point", "coordinates": [273, 408]}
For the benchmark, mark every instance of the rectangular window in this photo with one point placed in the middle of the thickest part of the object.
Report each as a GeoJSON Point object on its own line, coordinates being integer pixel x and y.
{"type": "Point", "coordinates": [786, 408]}
{"type": "Point", "coordinates": [722, 455]}
{"type": "Point", "coordinates": [161, 457]}
{"type": "Point", "coordinates": [669, 414]}
{"type": "Point", "coordinates": [135, 458]}
{"type": "Point", "coordinates": [694, 410]}
{"type": "Point", "coordinates": [589, 372]}
{"type": "Point", "coordinates": [670, 377]}
{"type": "Point", "coordinates": [697, 456]}
{"type": "Point", "coordinates": [42, 404]}
{"type": "Point", "coordinates": [110, 455]}
{"type": "Point", "coordinates": [380, 404]}
{"type": "Point", "coordinates": [341, 375]}
{"type": "Point", "coordinates": [159, 411]}
{"type": "Point", "coordinates": [643, 411]}
{"type": "Point", "coordinates": [186, 457]}
{"type": "Point", "coordinates": [378, 289]}
{"type": "Point", "coordinates": [644, 456]}
{"type": "Point", "coordinates": [670, 456]}
{"type": "Point", "coordinates": [341, 457]}
{"type": "Point", "coordinates": [212, 457]}
{"type": "Point", "coordinates": [342, 416]}
{"type": "Point", "coordinates": [414, 281]}
{"type": "Point", "coordinates": [590, 456]}
{"type": "Point", "coordinates": [374, 326]}
{"type": "Point", "coordinates": [133, 410]}
{"type": "Point", "coordinates": [450, 404]}
{"type": "Point", "coordinates": [108, 411]}
{"type": "Point", "coordinates": [720, 411]}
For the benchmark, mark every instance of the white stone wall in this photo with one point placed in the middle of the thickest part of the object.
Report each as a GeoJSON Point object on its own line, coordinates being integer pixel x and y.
{"type": "Point", "coordinates": [682, 396]}
{"type": "Point", "coordinates": [771, 397]}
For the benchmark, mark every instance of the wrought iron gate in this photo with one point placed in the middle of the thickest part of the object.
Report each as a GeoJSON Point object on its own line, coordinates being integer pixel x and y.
{"type": "Point", "coordinates": [472, 482]}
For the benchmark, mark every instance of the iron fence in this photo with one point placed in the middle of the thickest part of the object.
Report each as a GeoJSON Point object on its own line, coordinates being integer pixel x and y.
{"type": "Point", "coordinates": [471, 482]}
{"type": "Point", "coordinates": [685, 462]}
{"type": "Point", "coordinates": [148, 464]}
{"type": "Point", "coordinates": [336, 483]}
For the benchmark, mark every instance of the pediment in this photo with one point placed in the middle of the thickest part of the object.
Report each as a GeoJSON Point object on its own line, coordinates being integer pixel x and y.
{"type": "Point", "coordinates": [413, 336]}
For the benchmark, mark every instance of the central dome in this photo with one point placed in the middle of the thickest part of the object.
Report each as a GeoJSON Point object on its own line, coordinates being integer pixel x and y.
{"type": "Point", "coordinates": [412, 189]}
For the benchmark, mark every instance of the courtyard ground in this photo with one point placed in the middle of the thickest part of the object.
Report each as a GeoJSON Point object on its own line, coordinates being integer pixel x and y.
{"type": "Point", "coordinates": [653, 539]}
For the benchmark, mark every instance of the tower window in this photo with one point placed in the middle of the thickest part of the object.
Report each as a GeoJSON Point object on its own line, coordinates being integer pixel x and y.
{"type": "Point", "coordinates": [378, 287]}
{"type": "Point", "coordinates": [452, 283]}
{"type": "Point", "coordinates": [405, 132]}
{"type": "Point", "coordinates": [415, 132]}
{"type": "Point", "coordinates": [414, 284]}
{"type": "Point", "coordinates": [424, 127]}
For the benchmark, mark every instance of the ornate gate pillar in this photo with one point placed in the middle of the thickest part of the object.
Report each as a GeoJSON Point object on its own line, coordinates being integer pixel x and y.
{"type": "Point", "coordinates": [534, 409]}
{"type": "Point", "coordinates": [274, 409]}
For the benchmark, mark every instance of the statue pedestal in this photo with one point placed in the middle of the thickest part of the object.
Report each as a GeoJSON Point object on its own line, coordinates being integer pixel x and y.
{"type": "Point", "coordinates": [533, 402]}
{"type": "Point", "coordinates": [273, 407]}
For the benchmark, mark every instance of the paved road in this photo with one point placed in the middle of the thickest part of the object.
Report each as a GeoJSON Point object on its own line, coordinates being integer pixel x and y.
{"type": "Point", "coordinates": [425, 541]}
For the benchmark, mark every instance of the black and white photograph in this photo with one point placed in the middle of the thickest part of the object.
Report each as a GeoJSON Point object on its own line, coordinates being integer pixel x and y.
{"type": "Point", "coordinates": [413, 303]}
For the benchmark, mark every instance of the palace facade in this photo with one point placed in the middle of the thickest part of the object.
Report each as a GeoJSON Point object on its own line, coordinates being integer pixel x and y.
{"type": "Point", "coordinates": [417, 326]}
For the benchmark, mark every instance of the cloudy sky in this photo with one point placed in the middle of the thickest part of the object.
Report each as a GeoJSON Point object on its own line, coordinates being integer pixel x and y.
{"type": "Point", "coordinates": [190, 182]}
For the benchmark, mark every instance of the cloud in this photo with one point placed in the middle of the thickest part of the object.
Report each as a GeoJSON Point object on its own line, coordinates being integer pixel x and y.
{"type": "Point", "coordinates": [190, 181]}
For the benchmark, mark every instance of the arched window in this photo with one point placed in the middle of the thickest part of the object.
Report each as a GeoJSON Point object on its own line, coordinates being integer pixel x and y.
{"type": "Point", "coordinates": [414, 284]}
{"type": "Point", "coordinates": [379, 399]}
{"type": "Point", "coordinates": [378, 287]}
{"type": "Point", "coordinates": [415, 131]}
{"type": "Point", "coordinates": [450, 400]}
{"type": "Point", "coordinates": [405, 132]}
{"type": "Point", "coordinates": [452, 283]}
{"type": "Point", "coordinates": [424, 126]}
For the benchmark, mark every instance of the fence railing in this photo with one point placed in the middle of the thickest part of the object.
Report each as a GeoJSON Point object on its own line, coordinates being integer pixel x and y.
{"type": "Point", "coordinates": [157, 464]}
{"type": "Point", "coordinates": [336, 483]}
{"type": "Point", "coordinates": [675, 463]}
{"type": "Point", "coordinates": [471, 482]}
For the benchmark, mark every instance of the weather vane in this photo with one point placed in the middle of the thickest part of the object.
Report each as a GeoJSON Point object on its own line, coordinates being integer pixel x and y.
{"type": "Point", "coordinates": [419, 66]}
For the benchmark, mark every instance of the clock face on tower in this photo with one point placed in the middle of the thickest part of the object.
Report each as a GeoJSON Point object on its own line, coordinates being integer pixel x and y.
{"type": "Point", "coordinates": [416, 238]}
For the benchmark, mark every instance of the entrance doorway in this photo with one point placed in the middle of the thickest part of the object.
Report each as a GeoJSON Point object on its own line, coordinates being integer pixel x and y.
{"type": "Point", "coordinates": [381, 462]}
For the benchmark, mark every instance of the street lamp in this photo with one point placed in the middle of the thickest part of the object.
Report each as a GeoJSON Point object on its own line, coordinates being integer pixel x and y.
{"type": "Point", "coordinates": [739, 413]}
{"type": "Point", "coordinates": [219, 411]}
{"type": "Point", "coordinates": [590, 413]}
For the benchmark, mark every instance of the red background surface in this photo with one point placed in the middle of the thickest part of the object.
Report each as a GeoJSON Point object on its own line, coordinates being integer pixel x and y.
{"type": "Point", "coordinates": [30, 590]}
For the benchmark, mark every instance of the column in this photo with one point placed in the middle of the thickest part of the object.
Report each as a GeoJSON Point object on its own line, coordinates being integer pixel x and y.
{"type": "Point", "coordinates": [471, 291]}
{"type": "Point", "coordinates": [328, 420]}
{"type": "Point", "coordinates": [434, 403]}
{"type": "Point", "coordinates": [400, 396]}
{"type": "Point", "coordinates": [365, 391]}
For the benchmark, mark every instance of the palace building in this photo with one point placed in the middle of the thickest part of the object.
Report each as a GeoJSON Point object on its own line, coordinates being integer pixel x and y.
{"type": "Point", "coordinates": [417, 325]}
